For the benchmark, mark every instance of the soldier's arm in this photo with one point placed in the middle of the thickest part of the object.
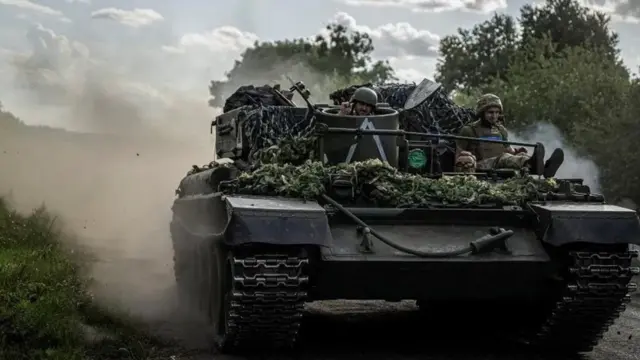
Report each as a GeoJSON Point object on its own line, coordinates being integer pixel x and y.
{"type": "Point", "coordinates": [345, 109]}
{"type": "Point", "coordinates": [464, 145]}
{"type": "Point", "coordinates": [505, 137]}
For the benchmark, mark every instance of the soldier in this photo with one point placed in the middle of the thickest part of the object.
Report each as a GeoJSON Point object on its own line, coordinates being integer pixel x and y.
{"type": "Point", "coordinates": [465, 162]}
{"type": "Point", "coordinates": [362, 103]}
{"type": "Point", "coordinates": [495, 155]}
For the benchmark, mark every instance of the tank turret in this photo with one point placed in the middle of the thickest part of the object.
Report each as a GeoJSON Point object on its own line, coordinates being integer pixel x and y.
{"type": "Point", "coordinates": [346, 148]}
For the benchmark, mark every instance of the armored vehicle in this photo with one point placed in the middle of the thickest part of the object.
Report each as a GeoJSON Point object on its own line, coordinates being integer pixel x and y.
{"type": "Point", "coordinates": [250, 261]}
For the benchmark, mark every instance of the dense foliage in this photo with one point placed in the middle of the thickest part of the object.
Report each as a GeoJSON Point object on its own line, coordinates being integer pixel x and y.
{"type": "Point", "coordinates": [471, 58]}
{"type": "Point", "coordinates": [562, 67]}
{"type": "Point", "coordinates": [379, 184]}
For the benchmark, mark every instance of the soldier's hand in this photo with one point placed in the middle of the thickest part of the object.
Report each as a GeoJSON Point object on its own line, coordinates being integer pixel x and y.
{"type": "Point", "coordinates": [521, 150]}
{"type": "Point", "coordinates": [344, 108]}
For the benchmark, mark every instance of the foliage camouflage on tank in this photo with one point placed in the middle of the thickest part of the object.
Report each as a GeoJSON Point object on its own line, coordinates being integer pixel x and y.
{"type": "Point", "coordinates": [276, 175]}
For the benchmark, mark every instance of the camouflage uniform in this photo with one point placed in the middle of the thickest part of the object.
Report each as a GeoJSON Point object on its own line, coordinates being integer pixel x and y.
{"type": "Point", "coordinates": [489, 155]}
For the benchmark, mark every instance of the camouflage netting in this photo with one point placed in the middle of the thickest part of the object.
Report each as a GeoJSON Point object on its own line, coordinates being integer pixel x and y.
{"type": "Point", "coordinates": [265, 127]}
{"type": "Point", "coordinates": [439, 114]}
{"type": "Point", "coordinates": [282, 149]}
{"type": "Point", "coordinates": [261, 107]}
{"type": "Point", "coordinates": [265, 95]}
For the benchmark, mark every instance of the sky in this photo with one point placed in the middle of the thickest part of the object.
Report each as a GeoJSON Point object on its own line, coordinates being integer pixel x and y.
{"type": "Point", "coordinates": [163, 53]}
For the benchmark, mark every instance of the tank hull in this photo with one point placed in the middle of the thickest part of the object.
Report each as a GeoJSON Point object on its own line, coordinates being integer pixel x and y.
{"type": "Point", "coordinates": [346, 268]}
{"type": "Point", "coordinates": [250, 263]}
{"type": "Point", "coordinates": [345, 271]}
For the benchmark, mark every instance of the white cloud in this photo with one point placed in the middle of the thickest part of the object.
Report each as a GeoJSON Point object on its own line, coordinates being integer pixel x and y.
{"type": "Point", "coordinates": [31, 6]}
{"type": "Point", "coordinates": [54, 62]}
{"type": "Point", "coordinates": [411, 68]}
{"type": "Point", "coordinates": [219, 40]}
{"type": "Point", "coordinates": [76, 90]}
{"type": "Point", "coordinates": [134, 18]}
{"type": "Point", "coordinates": [399, 39]}
{"type": "Point", "coordinates": [480, 6]}
{"type": "Point", "coordinates": [33, 17]}
{"type": "Point", "coordinates": [620, 10]}
{"type": "Point", "coordinates": [209, 54]}
{"type": "Point", "coordinates": [213, 52]}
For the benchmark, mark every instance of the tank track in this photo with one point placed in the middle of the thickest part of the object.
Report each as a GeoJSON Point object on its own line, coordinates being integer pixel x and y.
{"type": "Point", "coordinates": [597, 290]}
{"type": "Point", "coordinates": [269, 292]}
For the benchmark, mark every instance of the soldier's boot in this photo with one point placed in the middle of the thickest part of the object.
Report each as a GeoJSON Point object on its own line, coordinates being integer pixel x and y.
{"type": "Point", "coordinates": [536, 161]}
{"type": "Point", "coordinates": [554, 162]}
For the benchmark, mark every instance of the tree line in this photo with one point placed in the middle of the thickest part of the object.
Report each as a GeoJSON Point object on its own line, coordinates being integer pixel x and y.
{"type": "Point", "coordinates": [558, 63]}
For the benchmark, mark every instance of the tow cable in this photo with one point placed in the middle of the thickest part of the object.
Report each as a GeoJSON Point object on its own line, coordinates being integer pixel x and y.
{"type": "Point", "coordinates": [485, 243]}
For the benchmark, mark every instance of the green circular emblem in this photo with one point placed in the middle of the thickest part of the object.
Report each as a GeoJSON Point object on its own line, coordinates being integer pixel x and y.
{"type": "Point", "coordinates": [417, 158]}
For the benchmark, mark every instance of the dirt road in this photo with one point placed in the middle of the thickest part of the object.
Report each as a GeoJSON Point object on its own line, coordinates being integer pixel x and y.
{"type": "Point", "coordinates": [346, 330]}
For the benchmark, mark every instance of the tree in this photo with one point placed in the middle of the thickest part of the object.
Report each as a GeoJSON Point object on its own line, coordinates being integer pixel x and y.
{"type": "Point", "coordinates": [568, 24]}
{"type": "Point", "coordinates": [470, 57]}
{"type": "Point", "coordinates": [8, 120]}
{"type": "Point", "coordinates": [339, 53]}
{"type": "Point", "coordinates": [590, 99]}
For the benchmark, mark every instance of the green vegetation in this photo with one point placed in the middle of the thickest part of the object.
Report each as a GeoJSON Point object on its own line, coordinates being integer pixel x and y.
{"type": "Point", "coordinates": [569, 76]}
{"type": "Point", "coordinates": [544, 70]}
{"type": "Point", "coordinates": [330, 61]}
{"type": "Point", "coordinates": [385, 186]}
{"type": "Point", "coordinates": [45, 310]}
{"type": "Point", "coordinates": [474, 57]}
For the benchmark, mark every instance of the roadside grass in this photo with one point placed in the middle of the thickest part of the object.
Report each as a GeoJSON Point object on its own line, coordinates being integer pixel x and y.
{"type": "Point", "coordinates": [46, 311]}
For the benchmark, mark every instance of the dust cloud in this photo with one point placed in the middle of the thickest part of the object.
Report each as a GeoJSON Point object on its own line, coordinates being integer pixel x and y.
{"type": "Point", "coordinates": [108, 170]}
{"type": "Point", "coordinates": [110, 175]}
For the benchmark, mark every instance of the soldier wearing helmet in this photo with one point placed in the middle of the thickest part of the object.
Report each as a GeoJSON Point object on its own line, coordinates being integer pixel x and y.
{"type": "Point", "coordinates": [488, 155]}
{"type": "Point", "coordinates": [363, 102]}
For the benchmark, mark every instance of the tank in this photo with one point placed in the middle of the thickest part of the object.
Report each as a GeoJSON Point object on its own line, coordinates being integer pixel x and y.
{"type": "Point", "coordinates": [250, 262]}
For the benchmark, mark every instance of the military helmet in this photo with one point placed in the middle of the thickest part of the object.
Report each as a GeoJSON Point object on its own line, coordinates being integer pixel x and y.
{"type": "Point", "coordinates": [486, 101]}
{"type": "Point", "coordinates": [365, 95]}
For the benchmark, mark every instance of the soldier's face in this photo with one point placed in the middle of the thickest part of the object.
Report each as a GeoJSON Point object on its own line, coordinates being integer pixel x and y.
{"type": "Point", "coordinates": [492, 115]}
{"type": "Point", "coordinates": [362, 109]}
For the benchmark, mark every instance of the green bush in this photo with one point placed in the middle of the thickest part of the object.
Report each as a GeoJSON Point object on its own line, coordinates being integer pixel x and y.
{"type": "Point", "coordinates": [40, 290]}
{"type": "Point", "coordinates": [45, 309]}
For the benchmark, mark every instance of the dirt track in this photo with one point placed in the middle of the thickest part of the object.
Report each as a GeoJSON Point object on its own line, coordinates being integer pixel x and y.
{"type": "Point", "coordinates": [356, 330]}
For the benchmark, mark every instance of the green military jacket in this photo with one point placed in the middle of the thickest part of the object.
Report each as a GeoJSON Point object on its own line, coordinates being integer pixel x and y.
{"type": "Point", "coordinates": [483, 150]}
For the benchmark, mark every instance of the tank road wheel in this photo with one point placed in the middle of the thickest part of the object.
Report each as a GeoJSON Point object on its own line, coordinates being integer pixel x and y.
{"type": "Point", "coordinates": [259, 299]}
